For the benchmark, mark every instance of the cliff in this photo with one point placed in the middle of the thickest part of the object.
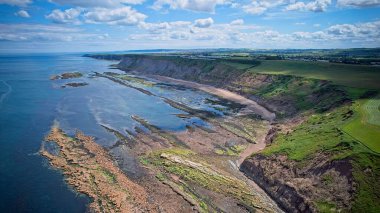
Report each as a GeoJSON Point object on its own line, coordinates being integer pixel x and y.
{"type": "Point", "coordinates": [309, 166]}
{"type": "Point", "coordinates": [284, 95]}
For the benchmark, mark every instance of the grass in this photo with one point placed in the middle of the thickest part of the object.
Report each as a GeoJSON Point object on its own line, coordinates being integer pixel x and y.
{"type": "Point", "coordinates": [323, 133]}
{"type": "Point", "coordinates": [366, 171]}
{"type": "Point", "coordinates": [359, 76]}
{"type": "Point", "coordinates": [319, 132]}
{"type": "Point", "coordinates": [360, 127]}
{"type": "Point", "coordinates": [303, 94]}
{"type": "Point", "coordinates": [231, 151]}
{"type": "Point", "coordinates": [372, 111]}
{"type": "Point", "coordinates": [108, 175]}
{"type": "Point", "coordinates": [325, 207]}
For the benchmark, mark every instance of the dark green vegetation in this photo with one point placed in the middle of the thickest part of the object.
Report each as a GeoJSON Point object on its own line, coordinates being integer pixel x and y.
{"type": "Point", "coordinates": [363, 56]}
{"type": "Point", "coordinates": [367, 56]}
{"type": "Point", "coordinates": [337, 103]}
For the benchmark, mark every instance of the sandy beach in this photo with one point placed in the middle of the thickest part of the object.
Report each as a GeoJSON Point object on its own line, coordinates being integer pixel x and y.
{"type": "Point", "coordinates": [251, 106]}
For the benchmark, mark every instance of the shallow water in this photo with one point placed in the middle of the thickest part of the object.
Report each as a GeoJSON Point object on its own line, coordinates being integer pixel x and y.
{"type": "Point", "coordinates": [30, 103]}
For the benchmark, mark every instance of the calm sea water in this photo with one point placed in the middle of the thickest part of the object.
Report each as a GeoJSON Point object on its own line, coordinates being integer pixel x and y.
{"type": "Point", "coordinates": [30, 103]}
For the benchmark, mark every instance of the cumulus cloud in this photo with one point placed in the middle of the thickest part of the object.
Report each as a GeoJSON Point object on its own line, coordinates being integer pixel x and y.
{"type": "Point", "coordinates": [363, 34]}
{"type": "Point", "coordinates": [161, 27]}
{"type": "Point", "coordinates": [358, 3]}
{"type": "Point", "coordinates": [67, 16]}
{"type": "Point", "coordinates": [237, 22]}
{"type": "Point", "coordinates": [257, 7]}
{"type": "Point", "coordinates": [20, 3]}
{"type": "Point", "coordinates": [96, 3]}
{"type": "Point", "coordinates": [23, 13]}
{"type": "Point", "coordinates": [194, 5]}
{"type": "Point", "coordinates": [203, 23]}
{"type": "Point", "coordinates": [362, 30]}
{"type": "Point", "coordinates": [179, 36]}
{"type": "Point", "coordinates": [314, 6]}
{"type": "Point", "coordinates": [119, 16]}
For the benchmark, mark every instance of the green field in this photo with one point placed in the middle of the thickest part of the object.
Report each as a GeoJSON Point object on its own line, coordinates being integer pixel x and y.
{"type": "Point", "coordinates": [363, 126]}
{"type": "Point", "coordinates": [359, 76]}
{"type": "Point", "coordinates": [372, 111]}
{"type": "Point", "coordinates": [318, 132]}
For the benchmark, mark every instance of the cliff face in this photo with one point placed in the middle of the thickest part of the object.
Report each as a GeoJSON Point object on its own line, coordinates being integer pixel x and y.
{"type": "Point", "coordinates": [201, 71]}
{"type": "Point", "coordinates": [300, 189]}
{"type": "Point", "coordinates": [284, 95]}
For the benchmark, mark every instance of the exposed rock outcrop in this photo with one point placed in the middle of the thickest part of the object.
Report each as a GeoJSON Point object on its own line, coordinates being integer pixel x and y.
{"type": "Point", "coordinates": [297, 189]}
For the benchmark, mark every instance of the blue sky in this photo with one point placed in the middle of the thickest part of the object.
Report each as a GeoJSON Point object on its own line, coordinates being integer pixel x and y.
{"type": "Point", "coordinates": [111, 25]}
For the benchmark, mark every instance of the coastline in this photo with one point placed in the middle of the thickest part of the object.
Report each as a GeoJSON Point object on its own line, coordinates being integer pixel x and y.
{"type": "Point", "coordinates": [251, 106]}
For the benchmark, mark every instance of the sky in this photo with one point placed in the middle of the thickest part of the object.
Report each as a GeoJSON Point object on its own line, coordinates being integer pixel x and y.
{"type": "Point", "coordinates": [28, 26]}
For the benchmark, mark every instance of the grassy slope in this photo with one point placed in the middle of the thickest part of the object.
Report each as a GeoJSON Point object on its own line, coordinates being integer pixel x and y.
{"type": "Point", "coordinates": [298, 89]}
{"type": "Point", "coordinates": [358, 76]}
{"type": "Point", "coordinates": [360, 129]}
{"type": "Point", "coordinates": [323, 133]}
{"type": "Point", "coordinates": [363, 126]}
{"type": "Point", "coordinates": [341, 133]}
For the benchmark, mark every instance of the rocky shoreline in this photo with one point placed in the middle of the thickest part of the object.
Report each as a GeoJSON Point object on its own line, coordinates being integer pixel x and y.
{"type": "Point", "coordinates": [185, 168]}
{"type": "Point", "coordinates": [294, 186]}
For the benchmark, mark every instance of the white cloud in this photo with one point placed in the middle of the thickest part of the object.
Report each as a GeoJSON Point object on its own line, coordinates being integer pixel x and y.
{"type": "Point", "coordinates": [203, 23]}
{"type": "Point", "coordinates": [316, 25]}
{"type": "Point", "coordinates": [96, 3]}
{"type": "Point", "coordinates": [20, 3]}
{"type": "Point", "coordinates": [314, 6]}
{"type": "Point", "coordinates": [254, 9]}
{"type": "Point", "coordinates": [358, 3]}
{"type": "Point", "coordinates": [23, 13]}
{"type": "Point", "coordinates": [161, 27]}
{"type": "Point", "coordinates": [362, 34]}
{"type": "Point", "coordinates": [194, 5]}
{"type": "Point", "coordinates": [119, 16]}
{"type": "Point", "coordinates": [39, 32]}
{"type": "Point", "coordinates": [362, 30]}
{"type": "Point", "coordinates": [237, 22]}
{"type": "Point", "coordinates": [257, 7]}
{"type": "Point", "coordinates": [179, 36]}
{"type": "Point", "coordinates": [67, 16]}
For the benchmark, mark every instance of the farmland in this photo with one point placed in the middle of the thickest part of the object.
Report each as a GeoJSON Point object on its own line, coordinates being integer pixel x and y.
{"type": "Point", "coordinates": [358, 76]}
{"type": "Point", "coordinates": [364, 125]}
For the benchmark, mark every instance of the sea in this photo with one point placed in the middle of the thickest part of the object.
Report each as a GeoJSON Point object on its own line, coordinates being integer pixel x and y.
{"type": "Point", "coordinates": [30, 103]}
